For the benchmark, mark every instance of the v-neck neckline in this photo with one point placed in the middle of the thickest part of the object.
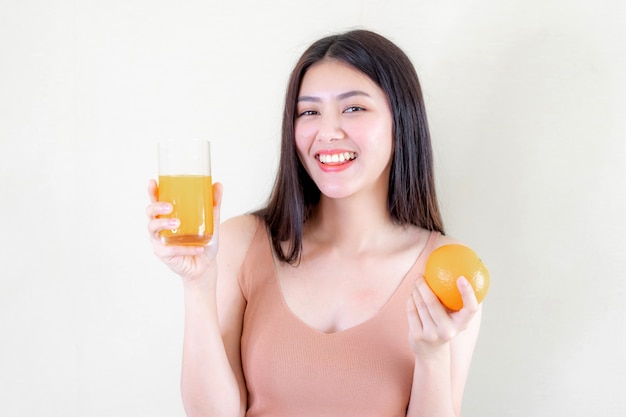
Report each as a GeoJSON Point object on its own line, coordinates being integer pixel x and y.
{"type": "Point", "coordinates": [419, 261]}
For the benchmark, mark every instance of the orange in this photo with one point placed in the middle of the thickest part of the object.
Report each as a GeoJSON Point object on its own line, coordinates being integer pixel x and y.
{"type": "Point", "coordinates": [446, 264]}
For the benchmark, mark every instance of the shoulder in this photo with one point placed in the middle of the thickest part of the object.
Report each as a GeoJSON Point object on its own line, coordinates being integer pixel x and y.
{"type": "Point", "coordinates": [443, 240]}
{"type": "Point", "coordinates": [243, 226]}
{"type": "Point", "coordinates": [235, 237]}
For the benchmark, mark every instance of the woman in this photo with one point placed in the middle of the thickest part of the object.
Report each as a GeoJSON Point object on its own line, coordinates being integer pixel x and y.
{"type": "Point", "coordinates": [316, 305]}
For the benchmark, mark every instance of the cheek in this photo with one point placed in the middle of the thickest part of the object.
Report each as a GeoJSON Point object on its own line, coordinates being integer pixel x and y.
{"type": "Point", "coordinates": [377, 135]}
{"type": "Point", "coordinates": [304, 135]}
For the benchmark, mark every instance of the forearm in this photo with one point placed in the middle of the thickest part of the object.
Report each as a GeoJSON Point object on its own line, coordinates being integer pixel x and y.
{"type": "Point", "coordinates": [208, 383]}
{"type": "Point", "coordinates": [431, 394]}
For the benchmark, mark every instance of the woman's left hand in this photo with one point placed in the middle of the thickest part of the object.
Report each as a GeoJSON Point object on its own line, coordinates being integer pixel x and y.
{"type": "Point", "coordinates": [431, 324]}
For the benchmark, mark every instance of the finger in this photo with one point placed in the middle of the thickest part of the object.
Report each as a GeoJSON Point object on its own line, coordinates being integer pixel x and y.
{"type": "Point", "coordinates": [436, 309]}
{"type": "Point", "coordinates": [423, 310]}
{"type": "Point", "coordinates": [470, 303]}
{"type": "Point", "coordinates": [413, 316]}
{"type": "Point", "coordinates": [218, 192]}
{"type": "Point", "coordinates": [156, 225]}
{"type": "Point", "coordinates": [441, 325]}
{"type": "Point", "coordinates": [153, 191]}
{"type": "Point", "coordinates": [155, 209]}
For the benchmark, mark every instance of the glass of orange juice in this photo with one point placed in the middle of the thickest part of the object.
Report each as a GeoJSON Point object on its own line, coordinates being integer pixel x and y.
{"type": "Point", "coordinates": [185, 182]}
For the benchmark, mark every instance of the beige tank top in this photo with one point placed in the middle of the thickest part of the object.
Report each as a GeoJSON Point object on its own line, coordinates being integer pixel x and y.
{"type": "Point", "coordinates": [294, 370]}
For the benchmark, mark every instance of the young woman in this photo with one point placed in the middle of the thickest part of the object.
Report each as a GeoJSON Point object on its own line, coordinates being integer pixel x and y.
{"type": "Point", "coordinates": [316, 305]}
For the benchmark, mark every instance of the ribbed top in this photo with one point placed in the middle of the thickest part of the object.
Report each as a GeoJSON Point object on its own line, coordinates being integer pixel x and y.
{"type": "Point", "coordinates": [294, 370]}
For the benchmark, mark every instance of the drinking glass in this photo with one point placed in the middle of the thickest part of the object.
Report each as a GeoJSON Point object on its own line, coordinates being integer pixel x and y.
{"type": "Point", "coordinates": [185, 182]}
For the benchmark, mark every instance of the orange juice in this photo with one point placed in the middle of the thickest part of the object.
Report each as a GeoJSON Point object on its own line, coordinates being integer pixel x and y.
{"type": "Point", "coordinates": [192, 198]}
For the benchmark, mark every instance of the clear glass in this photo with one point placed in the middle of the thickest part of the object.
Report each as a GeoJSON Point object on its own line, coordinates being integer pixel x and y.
{"type": "Point", "coordinates": [185, 182]}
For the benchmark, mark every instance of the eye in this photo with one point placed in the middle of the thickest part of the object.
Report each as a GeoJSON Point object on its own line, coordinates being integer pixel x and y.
{"type": "Point", "coordinates": [307, 113]}
{"type": "Point", "coordinates": [352, 109]}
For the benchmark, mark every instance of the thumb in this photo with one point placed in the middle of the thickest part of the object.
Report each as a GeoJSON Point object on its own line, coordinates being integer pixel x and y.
{"type": "Point", "coordinates": [218, 191]}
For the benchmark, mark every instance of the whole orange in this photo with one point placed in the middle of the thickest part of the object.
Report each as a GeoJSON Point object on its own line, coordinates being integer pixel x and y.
{"type": "Point", "coordinates": [446, 264]}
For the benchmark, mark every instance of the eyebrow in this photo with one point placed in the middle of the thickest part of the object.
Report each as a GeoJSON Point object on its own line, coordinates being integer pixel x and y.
{"type": "Point", "coordinates": [341, 96]}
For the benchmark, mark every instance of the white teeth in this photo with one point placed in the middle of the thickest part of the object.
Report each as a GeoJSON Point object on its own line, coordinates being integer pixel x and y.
{"type": "Point", "coordinates": [336, 158]}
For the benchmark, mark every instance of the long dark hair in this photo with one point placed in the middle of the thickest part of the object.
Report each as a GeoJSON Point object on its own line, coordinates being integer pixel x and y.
{"type": "Point", "coordinates": [411, 198]}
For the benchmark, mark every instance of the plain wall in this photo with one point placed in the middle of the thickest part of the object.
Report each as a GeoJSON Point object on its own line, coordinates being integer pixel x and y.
{"type": "Point", "coordinates": [526, 101]}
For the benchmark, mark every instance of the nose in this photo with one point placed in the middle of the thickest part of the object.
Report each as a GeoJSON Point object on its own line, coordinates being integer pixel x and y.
{"type": "Point", "coordinates": [330, 128]}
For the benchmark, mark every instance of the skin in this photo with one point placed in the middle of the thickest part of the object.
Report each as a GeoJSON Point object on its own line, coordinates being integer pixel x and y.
{"type": "Point", "coordinates": [339, 110]}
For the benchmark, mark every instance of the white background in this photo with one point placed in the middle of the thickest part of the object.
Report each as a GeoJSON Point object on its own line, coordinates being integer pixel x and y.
{"type": "Point", "coordinates": [526, 100]}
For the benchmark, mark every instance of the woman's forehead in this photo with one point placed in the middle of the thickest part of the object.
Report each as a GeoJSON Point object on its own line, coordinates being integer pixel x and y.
{"type": "Point", "coordinates": [332, 75]}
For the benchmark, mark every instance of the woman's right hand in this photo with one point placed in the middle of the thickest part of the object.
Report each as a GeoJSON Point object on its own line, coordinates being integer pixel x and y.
{"type": "Point", "coordinates": [192, 263]}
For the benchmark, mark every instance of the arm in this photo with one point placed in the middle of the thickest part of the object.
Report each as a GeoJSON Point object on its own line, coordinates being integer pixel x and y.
{"type": "Point", "coordinates": [443, 343]}
{"type": "Point", "coordinates": [439, 377]}
{"type": "Point", "coordinates": [211, 380]}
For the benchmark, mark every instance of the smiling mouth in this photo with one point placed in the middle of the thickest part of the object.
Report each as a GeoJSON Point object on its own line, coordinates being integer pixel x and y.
{"type": "Point", "coordinates": [336, 158]}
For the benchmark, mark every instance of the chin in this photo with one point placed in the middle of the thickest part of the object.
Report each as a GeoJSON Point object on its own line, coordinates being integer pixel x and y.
{"type": "Point", "coordinates": [336, 192]}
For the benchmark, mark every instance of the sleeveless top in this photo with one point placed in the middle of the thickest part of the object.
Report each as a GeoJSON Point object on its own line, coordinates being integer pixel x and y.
{"type": "Point", "coordinates": [294, 370]}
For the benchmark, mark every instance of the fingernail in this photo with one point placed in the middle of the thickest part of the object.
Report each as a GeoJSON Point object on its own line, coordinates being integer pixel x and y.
{"type": "Point", "coordinates": [165, 208]}
{"type": "Point", "coordinates": [173, 223]}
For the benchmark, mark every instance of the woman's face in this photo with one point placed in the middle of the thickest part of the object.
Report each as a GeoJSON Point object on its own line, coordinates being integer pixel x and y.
{"type": "Point", "coordinates": [343, 130]}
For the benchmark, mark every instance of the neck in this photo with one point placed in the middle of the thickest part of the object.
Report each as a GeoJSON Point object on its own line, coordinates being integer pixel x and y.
{"type": "Point", "coordinates": [355, 224]}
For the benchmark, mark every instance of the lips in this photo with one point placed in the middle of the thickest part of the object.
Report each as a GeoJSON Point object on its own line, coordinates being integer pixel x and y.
{"type": "Point", "coordinates": [335, 158]}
